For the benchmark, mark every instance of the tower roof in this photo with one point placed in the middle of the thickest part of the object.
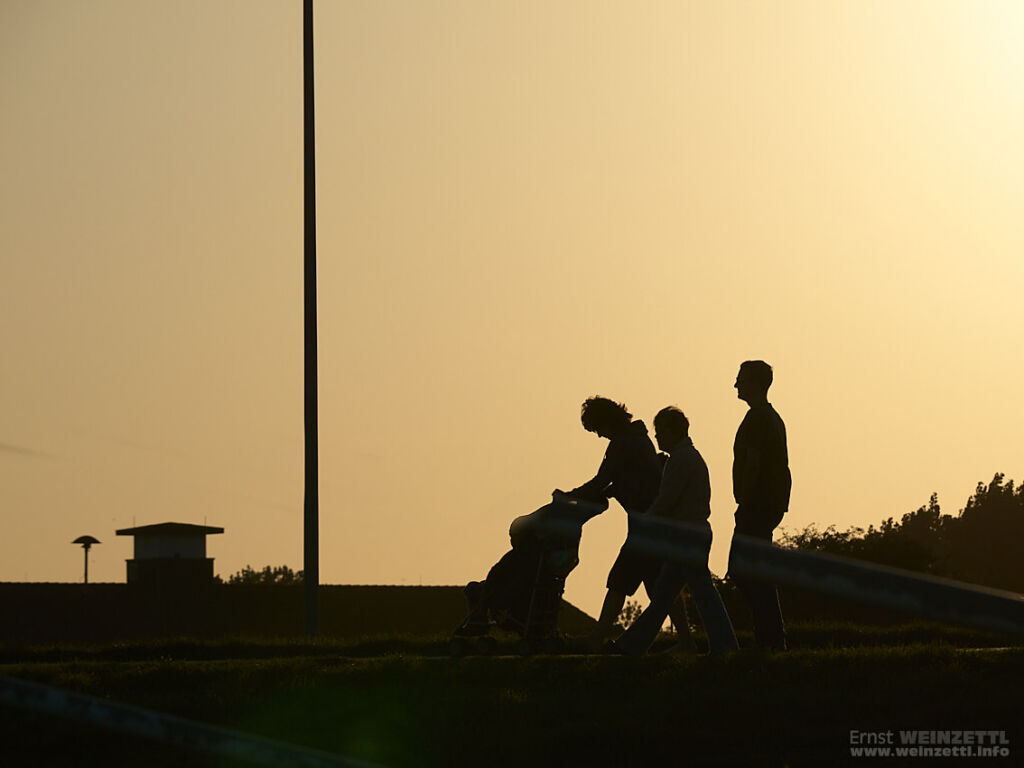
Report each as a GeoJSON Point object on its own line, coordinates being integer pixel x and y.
{"type": "Point", "coordinates": [170, 529]}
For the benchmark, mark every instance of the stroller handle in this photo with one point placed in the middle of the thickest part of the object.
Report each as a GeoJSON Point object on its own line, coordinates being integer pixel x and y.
{"type": "Point", "coordinates": [594, 507]}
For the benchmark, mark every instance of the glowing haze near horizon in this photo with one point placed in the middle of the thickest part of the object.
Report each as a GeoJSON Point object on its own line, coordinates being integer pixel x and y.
{"type": "Point", "coordinates": [520, 205]}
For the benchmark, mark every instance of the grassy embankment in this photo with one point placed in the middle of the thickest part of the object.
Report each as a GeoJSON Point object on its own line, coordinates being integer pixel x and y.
{"type": "Point", "coordinates": [402, 702]}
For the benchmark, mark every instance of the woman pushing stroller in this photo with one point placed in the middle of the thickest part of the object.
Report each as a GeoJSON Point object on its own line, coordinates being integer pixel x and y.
{"type": "Point", "coordinates": [630, 473]}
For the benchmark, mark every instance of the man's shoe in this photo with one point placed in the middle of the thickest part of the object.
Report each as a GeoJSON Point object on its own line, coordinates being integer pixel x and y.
{"type": "Point", "coordinates": [613, 648]}
{"type": "Point", "coordinates": [585, 644]}
{"type": "Point", "coordinates": [683, 648]}
{"type": "Point", "coordinates": [473, 628]}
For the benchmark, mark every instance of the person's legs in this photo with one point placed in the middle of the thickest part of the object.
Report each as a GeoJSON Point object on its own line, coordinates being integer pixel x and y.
{"type": "Point", "coordinates": [624, 578]}
{"type": "Point", "coordinates": [681, 621]}
{"type": "Point", "coordinates": [721, 637]}
{"type": "Point", "coordinates": [761, 596]}
{"type": "Point", "coordinates": [677, 612]}
{"type": "Point", "coordinates": [638, 638]}
{"type": "Point", "coordinates": [610, 610]}
{"type": "Point", "coordinates": [476, 597]}
{"type": "Point", "coordinates": [769, 629]}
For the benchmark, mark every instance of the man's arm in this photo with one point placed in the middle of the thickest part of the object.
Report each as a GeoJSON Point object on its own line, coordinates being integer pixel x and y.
{"type": "Point", "coordinates": [673, 482]}
{"type": "Point", "coordinates": [748, 473]}
{"type": "Point", "coordinates": [747, 470]}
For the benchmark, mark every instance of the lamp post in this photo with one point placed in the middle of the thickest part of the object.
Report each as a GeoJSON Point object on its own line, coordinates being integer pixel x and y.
{"type": "Point", "coordinates": [311, 506]}
{"type": "Point", "coordinates": [86, 542]}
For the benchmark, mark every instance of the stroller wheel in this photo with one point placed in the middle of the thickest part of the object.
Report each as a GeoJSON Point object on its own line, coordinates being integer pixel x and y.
{"type": "Point", "coordinates": [458, 647]}
{"type": "Point", "coordinates": [554, 645]}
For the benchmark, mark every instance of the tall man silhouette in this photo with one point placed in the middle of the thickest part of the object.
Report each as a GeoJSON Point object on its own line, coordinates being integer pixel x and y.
{"type": "Point", "coordinates": [761, 485]}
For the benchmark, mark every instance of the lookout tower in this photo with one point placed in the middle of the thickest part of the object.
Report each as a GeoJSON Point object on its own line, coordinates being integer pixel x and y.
{"type": "Point", "coordinates": [170, 555]}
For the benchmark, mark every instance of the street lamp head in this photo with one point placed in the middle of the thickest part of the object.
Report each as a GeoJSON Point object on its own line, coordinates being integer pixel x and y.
{"type": "Point", "coordinates": [86, 542]}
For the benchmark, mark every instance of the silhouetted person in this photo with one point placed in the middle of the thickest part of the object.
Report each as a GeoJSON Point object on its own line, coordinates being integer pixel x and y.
{"type": "Point", "coordinates": [631, 474]}
{"type": "Point", "coordinates": [684, 498]}
{"type": "Point", "coordinates": [761, 485]}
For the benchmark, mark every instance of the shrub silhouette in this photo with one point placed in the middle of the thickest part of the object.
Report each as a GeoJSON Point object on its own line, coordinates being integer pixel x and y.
{"type": "Point", "coordinates": [980, 544]}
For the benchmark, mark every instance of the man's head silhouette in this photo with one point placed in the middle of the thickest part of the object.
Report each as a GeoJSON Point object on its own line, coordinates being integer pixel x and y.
{"type": "Point", "coordinates": [670, 426]}
{"type": "Point", "coordinates": [753, 380]}
{"type": "Point", "coordinates": [604, 417]}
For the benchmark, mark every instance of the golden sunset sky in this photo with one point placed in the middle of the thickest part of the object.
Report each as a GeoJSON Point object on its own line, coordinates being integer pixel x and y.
{"type": "Point", "coordinates": [520, 204]}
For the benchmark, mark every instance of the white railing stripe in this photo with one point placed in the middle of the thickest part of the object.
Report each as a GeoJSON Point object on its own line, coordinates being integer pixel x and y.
{"type": "Point", "coordinates": [164, 728]}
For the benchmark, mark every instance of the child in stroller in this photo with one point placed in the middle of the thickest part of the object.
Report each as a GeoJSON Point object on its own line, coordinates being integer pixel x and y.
{"type": "Point", "coordinates": [523, 591]}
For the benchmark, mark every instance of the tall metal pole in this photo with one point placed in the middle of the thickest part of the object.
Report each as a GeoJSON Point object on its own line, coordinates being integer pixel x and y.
{"type": "Point", "coordinates": [311, 538]}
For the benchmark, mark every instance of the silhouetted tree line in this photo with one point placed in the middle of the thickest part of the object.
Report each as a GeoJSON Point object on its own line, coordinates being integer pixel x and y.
{"type": "Point", "coordinates": [981, 544]}
{"type": "Point", "coordinates": [281, 574]}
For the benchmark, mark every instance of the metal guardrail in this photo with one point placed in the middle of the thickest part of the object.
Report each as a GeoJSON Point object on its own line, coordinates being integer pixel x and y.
{"type": "Point", "coordinates": [931, 597]}
{"type": "Point", "coordinates": [164, 728]}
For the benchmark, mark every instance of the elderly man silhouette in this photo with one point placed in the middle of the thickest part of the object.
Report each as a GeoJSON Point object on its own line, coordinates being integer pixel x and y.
{"type": "Point", "coordinates": [680, 511]}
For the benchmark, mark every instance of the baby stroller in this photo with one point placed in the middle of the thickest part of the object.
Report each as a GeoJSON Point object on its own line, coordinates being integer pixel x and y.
{"type": "Point", "coordinates": [523, 591]}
